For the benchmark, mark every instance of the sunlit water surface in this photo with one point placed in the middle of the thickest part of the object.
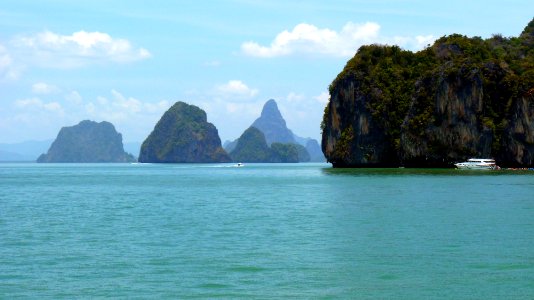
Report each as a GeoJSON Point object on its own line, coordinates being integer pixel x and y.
{"type": "Point", "coordinates": [264, 231]}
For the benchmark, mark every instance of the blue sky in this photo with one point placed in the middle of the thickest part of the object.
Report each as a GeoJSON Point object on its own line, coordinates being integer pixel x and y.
{"type": "Point", "coordinates": [127, 62]}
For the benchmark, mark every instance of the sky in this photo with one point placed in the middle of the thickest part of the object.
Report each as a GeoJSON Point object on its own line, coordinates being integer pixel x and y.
{"type": "Point", "coordinates": [127, 62]}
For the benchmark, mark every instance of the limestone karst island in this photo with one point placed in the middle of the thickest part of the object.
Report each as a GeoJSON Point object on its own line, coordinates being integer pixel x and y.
{"type": "Point", "coordinates": [183, 135]}
{"type": "Point", "coordinates": [459, 98]}
{"type": "Point", "coordinates": [254, 149]}
{"type": "Point", "coordinates": [87, 142]}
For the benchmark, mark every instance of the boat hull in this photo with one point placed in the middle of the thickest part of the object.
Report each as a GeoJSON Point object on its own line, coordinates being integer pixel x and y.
{"type": "Point", "coordinates": [477, 164]}
{"type": "Point", "coordinates": [474, 167]}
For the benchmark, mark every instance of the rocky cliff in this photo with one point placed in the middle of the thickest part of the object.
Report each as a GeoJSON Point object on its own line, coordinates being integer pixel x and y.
{"type": "Point", "coordinates": [314, 149]}
{"type": "Point", "coordinates": [459, 98]}
{"type": "Point", "coordinates": [183, 135]}
{"type": "Point", "coordinates": [87, 142]}
{"type": "Point", "coordinates": [273, 126]}
{"type": "Point", "coordinates": [252, 147]}
{"type": "Point", "coordinates": [517, 146]}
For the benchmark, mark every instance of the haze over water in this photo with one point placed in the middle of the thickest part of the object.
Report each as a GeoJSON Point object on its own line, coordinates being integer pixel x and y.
{"type": "Point", "coordinates": [264, 231]}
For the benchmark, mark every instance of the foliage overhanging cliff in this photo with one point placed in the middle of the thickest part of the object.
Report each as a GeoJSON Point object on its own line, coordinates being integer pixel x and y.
{"type": "Point", "coordinates": [458, 98]}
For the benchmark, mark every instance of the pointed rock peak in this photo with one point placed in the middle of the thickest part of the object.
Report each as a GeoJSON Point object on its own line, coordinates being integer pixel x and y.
{"type": "Point", "coordinates": [270, 110]}
{"type": "Point", "coordinates": [273, 125]}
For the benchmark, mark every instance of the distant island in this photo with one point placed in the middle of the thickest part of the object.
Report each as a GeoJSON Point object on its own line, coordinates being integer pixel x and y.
{"type": "Point", "coordinates": [273, 129]}
{"type": "Point", "coordinates": [183, 135]}
{"type": "Point", "coordinates": [252, 147]}
{"type": "Point", "coordinates": [273, 125]}
{"type": "Point", "coordinates": [27, 151]}
{"type": "Point", "coordinates": [459, 98]}
{"type": "Point", "coordinates": [87, 142]}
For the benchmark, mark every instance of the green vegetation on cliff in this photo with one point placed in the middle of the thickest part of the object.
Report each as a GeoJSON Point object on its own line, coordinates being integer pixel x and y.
{"type": "Point", "coordinates": [183, 135]}
{"type": "Point", "coordinates": [87, 142]}
{"type": "Point", "coordinates": [455, 99]}
{"type": "Point", "coordinates": [252, 147]}
{"type": "Point", "coordinates": [274, 129]}
{"type": "Point", "coordinates": [285, 153]}
{"type": "Point", "coordinates": [386, 75]}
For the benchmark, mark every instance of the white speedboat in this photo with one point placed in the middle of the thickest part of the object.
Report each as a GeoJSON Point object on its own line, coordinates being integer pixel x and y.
{"type": "Point", "coordinates": [477, 164]}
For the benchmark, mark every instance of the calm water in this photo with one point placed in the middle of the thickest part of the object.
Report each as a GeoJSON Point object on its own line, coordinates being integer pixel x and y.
{"type": "Point", "coordinates": [264, 231]}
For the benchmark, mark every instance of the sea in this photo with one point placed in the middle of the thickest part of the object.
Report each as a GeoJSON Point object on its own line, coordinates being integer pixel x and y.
{"type": "Point", "coordinates": [264, 231]}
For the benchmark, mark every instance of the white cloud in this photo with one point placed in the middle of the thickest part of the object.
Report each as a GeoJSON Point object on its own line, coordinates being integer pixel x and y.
{"type": "Point", "coordinates": [102, 100]}
{"type": "Point", "coordinates": [130, 104]}
{"type": "Point", "coordinates": [40, 118]}
{"type": "Point", "coordinates": [156, 108]}
{"type": "Point", "coordinates": [53, 106]}
{"type": "Point", "coordinates": [44, 88]}
{"type": "Point", "coordinates": [7, 67]}
{"type": "Point", "coordinates": [119, 108]}
{"type": "Point", "coordinates": [423, 41]}
{"type": "Point", "coordinates": [90, 108]}
{"type": "Point", "coordinates": [135, 117]}
{"type": "Point", "coordinates": [309, 39]}
{"type": "Point", "coordinates": [236, 88]}
{"type": "Point", "coordinates": [49, 49]}
{"type": "Point", "coordinates": [5, 58]}
{"type": "Point", "coordinates": [323, 97]}
{"type": "Point", "coordinates": [231, 117]}
{"type": "Point", "coordinates": [294, 97]}
{"type": "Point", "coordinates": [31, 102]}
{"type": "Point", "coordinates": [74, 97]}
{"type": "Point", "coordinates": [36, 104]}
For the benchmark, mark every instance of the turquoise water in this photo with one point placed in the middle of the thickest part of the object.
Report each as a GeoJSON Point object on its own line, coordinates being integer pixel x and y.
{"type": "Point", "coordinates": [264, 231]}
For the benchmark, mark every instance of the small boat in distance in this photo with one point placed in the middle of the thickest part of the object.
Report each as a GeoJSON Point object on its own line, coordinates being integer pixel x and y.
{"type": "Point", "coordinates": [478, 164]}
{"type": "Point", "coordinates": [239, 165]}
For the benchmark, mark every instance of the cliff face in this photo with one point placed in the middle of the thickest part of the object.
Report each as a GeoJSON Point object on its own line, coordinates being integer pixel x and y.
{"type": "Point", "coordinates": [460, 98]}
{"type": "Point", "coordinates": [183, 135]}
{"type": "Point", "coordinates": [252, 147]}
{"type": "Point", "coordinates": [518, 141]}
{"type": "Point", "coordinates": [368, 102]}
{"type": "Point", "coordinates": [87, 142]}
{"type": "Point", "coordinates": [314, 149]}
{"type": "Point", "coordinates": [274, 129]}
{"type": "Point", "coordinates": [454, 128]}
{"type": "Point", "coordinates": [273, 125]}
{"type": "Point", "coordinates": [352, 137]}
